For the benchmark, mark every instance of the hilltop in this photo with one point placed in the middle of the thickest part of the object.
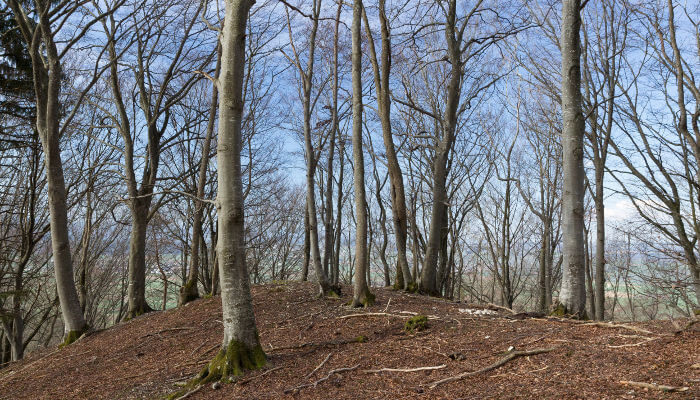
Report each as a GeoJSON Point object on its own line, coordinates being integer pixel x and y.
{"type": "Point", "coordinates": [308, 339]}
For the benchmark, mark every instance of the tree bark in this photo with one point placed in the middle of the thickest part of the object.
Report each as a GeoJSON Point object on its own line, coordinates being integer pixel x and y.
{"type": "Point", "coordinates": [361, 293]}
{"type": "Point", "coordinates": [429, 282]}
{"type": "Point", "coordinates": [240, 349]}
{"type": "Point", "coordinates": [188, 291]}
{"type": "Point", "coordinates": [572, 296]}
{"type": "Point", "coordinates": [404, 279]}
{"type": "Point", "coordinates": [47, 86]}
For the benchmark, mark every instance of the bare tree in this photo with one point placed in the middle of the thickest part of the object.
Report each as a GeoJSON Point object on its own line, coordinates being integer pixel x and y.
{"type": "Point", "coordinates": [382, 72]}
{"type": "Point", "coordinates": [41, 37]}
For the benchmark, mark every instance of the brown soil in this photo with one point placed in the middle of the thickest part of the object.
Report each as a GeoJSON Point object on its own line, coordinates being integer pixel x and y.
{"type": "Point", "coordinates": [146, 357]}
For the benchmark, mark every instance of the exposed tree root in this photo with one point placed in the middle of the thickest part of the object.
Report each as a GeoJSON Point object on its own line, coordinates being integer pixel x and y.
{"type": "Point", "coordinates": [74, 336]}
{"type": "Point", "coordinates": [493, 366]}
{"type": "Point", "coordinates": [325, 378]}
{"type": "Point", "coordinates": [234, 361]}
{"type": "Point", "coordinates": [645, 341]}
{"type": "Point", "coordinates": [655, 386]}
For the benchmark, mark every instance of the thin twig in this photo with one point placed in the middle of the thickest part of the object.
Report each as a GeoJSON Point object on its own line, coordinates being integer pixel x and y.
{"type": "Point", "coordinates": [319, 366]}
{"type": "Point", "coordinates": [314, 384]}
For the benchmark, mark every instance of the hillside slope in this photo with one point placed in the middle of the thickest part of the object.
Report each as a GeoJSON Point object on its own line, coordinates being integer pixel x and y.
{"type": "Point", "coordinates": [306, 338]}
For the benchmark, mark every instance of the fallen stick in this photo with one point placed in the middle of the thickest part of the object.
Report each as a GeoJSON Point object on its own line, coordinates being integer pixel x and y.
{"type": "Point", "coordinates": [493, 366]}
{"type": "Point", "coordinates": [319, 366]}
{"type": "Point", "coordinates": [633, 344]}
{"type": "Point", "coordinates": [510, 310]}
{"type": "Point", "coordinates": [373, 314]}
{"type": "Point", "coordinates": [655, 386]}
{"type": "Point", "coordinates": [314, 384]}
{"type": "Point", "coordinates": [244, 381]}
{"type": "Point", "coordinates": [620, 326]}
{"type": "Point", "coordinates": [358, 339]}
{"type": "Point", "coordinates": [374, 371]}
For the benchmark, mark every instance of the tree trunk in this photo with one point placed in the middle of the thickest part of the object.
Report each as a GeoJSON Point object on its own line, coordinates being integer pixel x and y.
{"type": "Point", "coordinates": [307, 244]}
{"type": "Point", "coordinates": [572, 296]}
{"type": "Point", "coordinates": [398, 193]}
{"type": "Point", "coordinates": [429, 284]}
{"type": "Point", "coordinates": [240, 349]}
{"type": "Point", "coordinates": [137, 259]}
{"type": "Point", "coordinates": [188, 291]}
{"type": "Point", "coordinates": [361, 293]}
{"type": "Point", "coordinates": [339, 217]}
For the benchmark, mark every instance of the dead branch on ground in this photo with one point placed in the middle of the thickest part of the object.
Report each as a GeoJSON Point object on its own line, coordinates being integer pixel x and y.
{"type": "Point", "coordinates": [654, 386]}
{"type": "Point", "coordinates": [319, 366]}
{"type": "Point", "coordinates": [493, 366]}
{"type": "Point", "coordinates": [374, 371]}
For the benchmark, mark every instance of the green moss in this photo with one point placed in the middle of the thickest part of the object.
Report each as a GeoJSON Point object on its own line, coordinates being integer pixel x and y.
{"type": "Point", "coordinates": [412, 287]}
{"type": "Point", "coordinates": [72, 336]}
{"type": "Point", "coordinates": [696, 311]}
{"type": "Point", "coordinates": [365, 299]}
{"type": "Point", "coordinates": [416, 324]}
{"type": "Point", "coordinates": [361, 339]}
{"type": "Point", "coordinates": [188, 293]}
{"type": "Point", "coordinates": [227, 365]}
{"type": "Point", "coordinates": [560, 310]}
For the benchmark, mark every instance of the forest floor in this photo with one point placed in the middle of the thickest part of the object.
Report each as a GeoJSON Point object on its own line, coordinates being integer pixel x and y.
{"type": "Point", "coordinates": [308, 339]}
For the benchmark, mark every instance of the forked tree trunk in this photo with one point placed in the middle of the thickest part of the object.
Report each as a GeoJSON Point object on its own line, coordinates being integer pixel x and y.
{"type": "Point", "coordinates": [572, 296]}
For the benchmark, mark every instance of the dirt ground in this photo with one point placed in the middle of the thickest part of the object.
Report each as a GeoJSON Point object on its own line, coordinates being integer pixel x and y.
{"type": "Point", "coordinates": [308, 339]}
